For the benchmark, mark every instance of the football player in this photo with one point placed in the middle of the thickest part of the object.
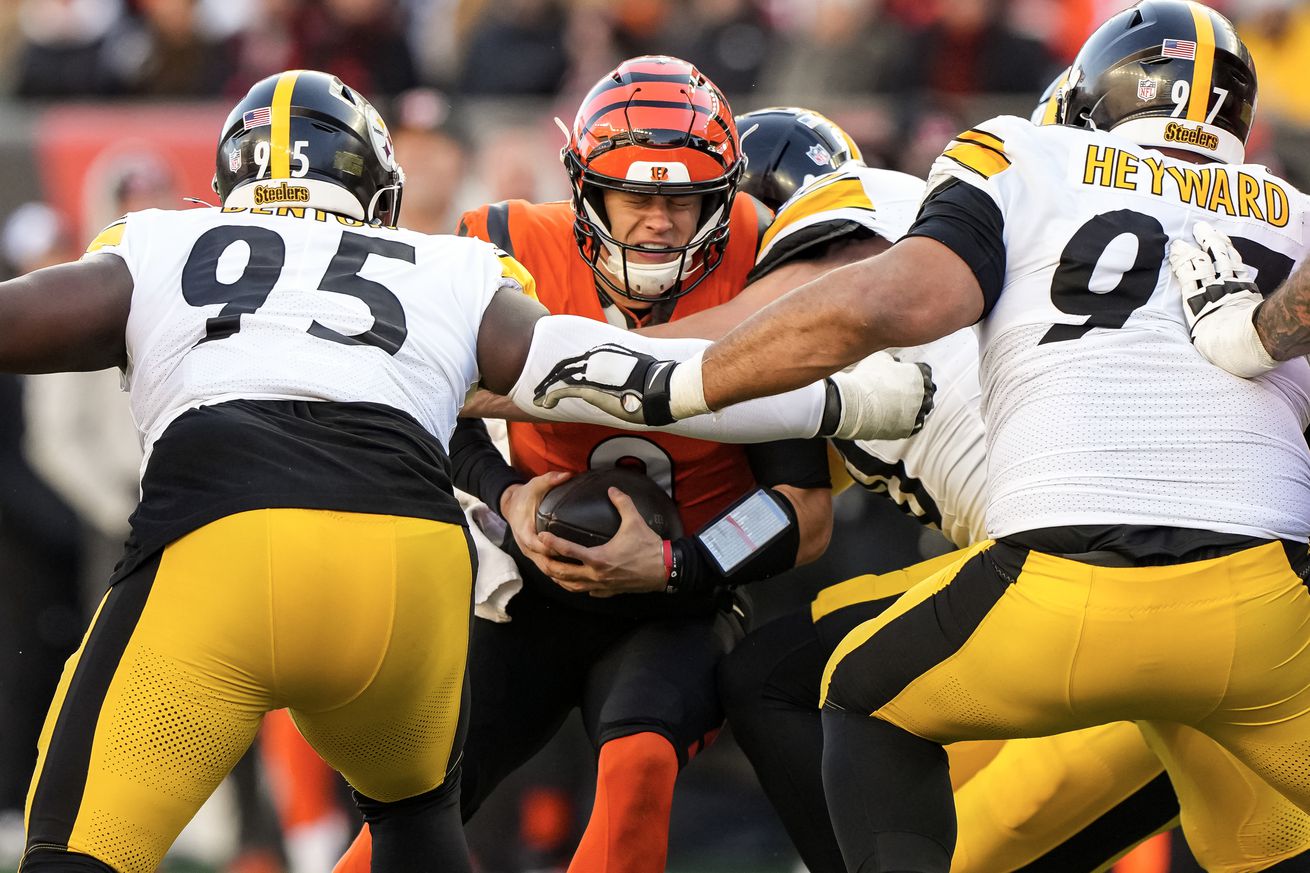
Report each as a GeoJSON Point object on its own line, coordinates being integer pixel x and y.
{"type": "Point", "coordinates": [1084, 798]}
{"type": "Point", "coordinates": [1131, 574]}
{"type": "Point", "coordinates": [630, 632]}
{"type": "Point", "coordinates": [295, 364]}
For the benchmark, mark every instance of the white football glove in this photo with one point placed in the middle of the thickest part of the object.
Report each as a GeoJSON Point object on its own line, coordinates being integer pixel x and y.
{"type": "Point", "coordinates": [882, 398]}
{"type": "Point", "coordinates": [628, 384]}
{"type": "Point", "coordinates": [1219, 302]}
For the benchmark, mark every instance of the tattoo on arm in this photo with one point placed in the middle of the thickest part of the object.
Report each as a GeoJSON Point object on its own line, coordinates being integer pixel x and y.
{"type": "Point", "coordinates": [1283, 320]}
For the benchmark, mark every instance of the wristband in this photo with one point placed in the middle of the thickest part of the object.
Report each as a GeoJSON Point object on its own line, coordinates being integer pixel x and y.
{"type": "Point", "coordinates": [676, 561]}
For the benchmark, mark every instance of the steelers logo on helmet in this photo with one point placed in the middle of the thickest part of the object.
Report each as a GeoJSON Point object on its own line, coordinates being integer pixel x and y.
{"type": "Point", "coordinates": [786, 147]}
{"type": "Point", "coordinates": [1165, 73]}
{"type": "Point", "coordinates": [653, 126]}
{"type": "Point", "coordinates": [305, 138]}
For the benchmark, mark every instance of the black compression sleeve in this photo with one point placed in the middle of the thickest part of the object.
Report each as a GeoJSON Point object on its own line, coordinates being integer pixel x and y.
{"type": "Point", "coordinates": [479, 467]}
{"type": "Point", "coordinates": [969, 223]}
{"type": "Point", "coordinates": [798, 463]}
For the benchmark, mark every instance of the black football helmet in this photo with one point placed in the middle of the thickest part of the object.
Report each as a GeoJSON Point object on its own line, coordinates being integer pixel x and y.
{"type": "Point", "coordinates": [786, 147]}
{"type": "Point", "coordinates": [304, 138]}
{"type": "Point", "coordinates": [1165, 73]}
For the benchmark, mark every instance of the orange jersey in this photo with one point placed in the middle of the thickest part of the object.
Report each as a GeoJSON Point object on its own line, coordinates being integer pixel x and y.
{"type": "Point", "coordinates": [703, 477]}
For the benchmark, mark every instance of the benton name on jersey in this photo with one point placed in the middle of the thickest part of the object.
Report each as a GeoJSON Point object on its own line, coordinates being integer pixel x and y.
{"type": "Point", "coordinates": [1098, 410]}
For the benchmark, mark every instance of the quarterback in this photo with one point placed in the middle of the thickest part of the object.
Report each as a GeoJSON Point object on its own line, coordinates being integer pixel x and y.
{"type": "Point", "coordinates": [295, 364]}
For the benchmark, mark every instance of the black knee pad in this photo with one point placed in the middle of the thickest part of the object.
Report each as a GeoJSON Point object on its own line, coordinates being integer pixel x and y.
{"type": "Point", "coordinates": [45, 859]}
{"type": "Point", "coordinates": [445, 794]}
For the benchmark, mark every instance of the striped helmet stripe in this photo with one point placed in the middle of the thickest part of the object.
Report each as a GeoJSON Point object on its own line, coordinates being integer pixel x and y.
{"type": "Point", "coordinates": [280, 134]}
{"type": "Point", "coordinates": [1203, 66]}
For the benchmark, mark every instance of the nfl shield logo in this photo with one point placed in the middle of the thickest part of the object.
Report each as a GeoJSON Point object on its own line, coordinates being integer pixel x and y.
{"type": "Point", "coordinates": [1145, 90]}
{"type": "Point", "coordinates": [234, 160]}
{"type": "Point", "coordinates": [819, 155]}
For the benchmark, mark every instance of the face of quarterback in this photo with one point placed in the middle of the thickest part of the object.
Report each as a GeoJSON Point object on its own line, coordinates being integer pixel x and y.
{"type": "Point", "coordinates": [654, 222]}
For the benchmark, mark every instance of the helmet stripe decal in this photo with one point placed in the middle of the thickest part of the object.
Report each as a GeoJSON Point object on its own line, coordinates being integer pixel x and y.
{"type": "Point", "coordinates": [280, 134]}
{"type": "Point", "coordinates": [1203, 66]}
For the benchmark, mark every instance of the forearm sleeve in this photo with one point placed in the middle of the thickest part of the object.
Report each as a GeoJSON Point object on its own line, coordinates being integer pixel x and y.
{"type": "Point", "coordinates": [478, 466]}
{"type": "Point", "coordinates": [795, 414]}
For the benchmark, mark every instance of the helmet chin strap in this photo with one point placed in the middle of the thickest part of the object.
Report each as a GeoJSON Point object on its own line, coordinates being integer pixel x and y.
{"type": "Point", "coordinates": [645, 280]}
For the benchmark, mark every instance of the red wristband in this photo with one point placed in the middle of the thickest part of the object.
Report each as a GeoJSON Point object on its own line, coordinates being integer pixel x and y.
{"type": "Point", "coordinates": [668, 558]}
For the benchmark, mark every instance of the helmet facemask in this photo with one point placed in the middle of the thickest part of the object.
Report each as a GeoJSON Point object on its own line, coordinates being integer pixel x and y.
{"type": "Point", "coordinates": [687, 264]}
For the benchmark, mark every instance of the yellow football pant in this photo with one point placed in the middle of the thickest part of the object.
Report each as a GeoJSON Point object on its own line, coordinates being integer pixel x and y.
{"type": "Point", "coordinates": [357, 623]}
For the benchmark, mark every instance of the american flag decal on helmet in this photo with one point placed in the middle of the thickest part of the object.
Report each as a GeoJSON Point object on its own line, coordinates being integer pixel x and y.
{"type": "Point", "coordinates": [257, 117]}
{"type": "Point", "coordinates": [1183, 49]}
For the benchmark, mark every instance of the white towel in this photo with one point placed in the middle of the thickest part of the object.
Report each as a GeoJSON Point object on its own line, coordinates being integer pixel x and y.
{"type": "Point", "coordinates": [498, 576]}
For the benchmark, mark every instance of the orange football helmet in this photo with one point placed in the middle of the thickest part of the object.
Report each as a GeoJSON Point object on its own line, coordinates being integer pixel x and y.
{"type": "Point", "coordinates": [655, 125]}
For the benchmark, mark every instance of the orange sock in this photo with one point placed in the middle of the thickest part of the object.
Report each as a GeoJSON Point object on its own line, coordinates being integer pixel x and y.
{"type": "Point", "coordinates": [629, 827]}
{"type": "Point", "coordinates": [359, 857]}
{"type": "Point", "coordinates": [1152, 856]}
{"type": "Point", "coordinates": [303, 785]}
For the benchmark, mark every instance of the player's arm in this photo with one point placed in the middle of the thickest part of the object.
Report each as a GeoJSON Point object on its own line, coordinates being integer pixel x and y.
{"type": "Point", "coordinates": [1283, 322]}
{"type": "Point", "coordinates": [1230, 323]}
{"type": "Point", "coordinates": [70, 317]}
{"type": "Point", "coordinates": [715, 322]}
{"type": "Point", "coordinates": [557, 358]}
{"type": "Point", "coordinates": [918, 291]}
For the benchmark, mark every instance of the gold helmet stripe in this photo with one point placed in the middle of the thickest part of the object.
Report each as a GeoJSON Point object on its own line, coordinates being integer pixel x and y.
{"type": "Point", "coordinates": [280, 136]}
{"type": "Point", "coordinates": [1203, 66]}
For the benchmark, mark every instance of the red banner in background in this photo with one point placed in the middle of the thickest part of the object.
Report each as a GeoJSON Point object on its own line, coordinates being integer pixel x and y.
{"type": "Point", "coordinates": [99, 161]}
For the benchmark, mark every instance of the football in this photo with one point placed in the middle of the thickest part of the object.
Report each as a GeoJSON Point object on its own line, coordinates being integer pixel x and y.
{"type": "Point", "coordinates": [580, 509]}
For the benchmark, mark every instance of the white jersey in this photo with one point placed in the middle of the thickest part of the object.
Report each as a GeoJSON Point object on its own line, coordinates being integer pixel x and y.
{"type": "Point", "coordinates": [1098, 410]}
{"type": "Point", "coordinates": [300, 304]}
{"type": "Point", "coordinates": [854, 196]}
{"type": "Point", "coordinates": [939, 474]}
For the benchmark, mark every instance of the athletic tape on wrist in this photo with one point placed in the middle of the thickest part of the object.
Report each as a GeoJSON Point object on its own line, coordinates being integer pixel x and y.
{"type": "Point", "coordinates": [687, 389]}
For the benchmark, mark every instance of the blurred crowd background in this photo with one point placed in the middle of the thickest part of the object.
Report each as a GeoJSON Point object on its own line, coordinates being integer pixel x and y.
{"type": "Point", "coordinates": [108, 106]}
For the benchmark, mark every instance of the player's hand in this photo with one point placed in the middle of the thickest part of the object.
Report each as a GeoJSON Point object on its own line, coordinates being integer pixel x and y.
{"type": "Point", "coordinates": [518, 506]}
{"type": "Point", "coordinates": [631, 562]}
{"type": "Point", "coordinates": [627, 384]}
{"type": "Point", "coordinates": [880, 398]}
{"type": "Point", "coordinates": [1213, 278]}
